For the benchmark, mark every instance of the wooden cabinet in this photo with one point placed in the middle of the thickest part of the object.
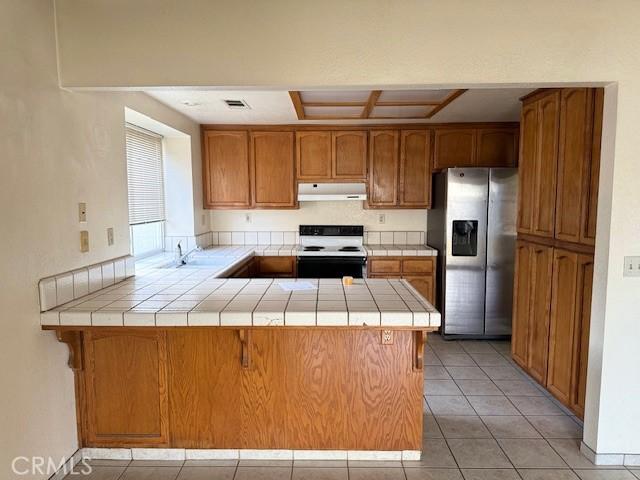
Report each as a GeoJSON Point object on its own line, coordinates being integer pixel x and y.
{"type": "Point", "coordinates": [226, 170]}
{"type": "Point", "coordinates": [496, 147]}
{"type": "Point", "coordinates": [415, 168]}
{"type": "Point", "coordinates": [454, 148]}
{"type": "Point", "coordinates": [328, 156]}
{"type": "Point", "coordinates": [383, 168]}
{"type": "Point", "coordinates": [418, 271]}
{"type": "Point", "coordinates": [532, 300]}
{"type": "Point", "coordinates": [349, 155]}
{"type": "Point", "coordinates": [590, 206]}
{"type": "Point", "coordinates": [126, 387]}
{"type": "Point", "coordinates": [527, 167]}
{"type": "Point", "coordinates": [272, 169]}
{"type": "Point", "coordinates": [270, 266]}
{"type": "Point", "coordinates": [313, 155]}
{"type": "Point", "coordinates": [569, 327]}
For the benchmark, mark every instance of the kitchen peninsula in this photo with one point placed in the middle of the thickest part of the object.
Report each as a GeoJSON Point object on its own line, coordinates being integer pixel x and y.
{"type": "Point", "coordinates": [180, 362]}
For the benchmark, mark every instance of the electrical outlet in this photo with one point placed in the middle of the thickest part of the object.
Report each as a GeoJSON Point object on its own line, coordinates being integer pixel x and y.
{"type": "Point", "coordinates": [110, 236]}
{"type": "Point", "coordinates": [631, 267]}
{"type": "Point", "coordinates": [382, 218]}
{"type": "Point", "coordinates": [82, 212]}
{"type": "Point", "coordinates": [387, 337]}
{"type": "Point", "coordinates": [247, 218]}
{"type": "Point", "coordinates": [84, 241]}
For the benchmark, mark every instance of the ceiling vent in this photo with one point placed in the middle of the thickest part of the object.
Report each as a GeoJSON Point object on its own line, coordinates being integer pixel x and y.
{"type": "Point", "coordinates": [237, 104]}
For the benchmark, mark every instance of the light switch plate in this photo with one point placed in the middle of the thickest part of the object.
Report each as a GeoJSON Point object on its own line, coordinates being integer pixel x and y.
{"type": "Point", "coordinates": [82, 212]}
{"type": "Point", "coordinates": [84, 241]}
{"type": "Point", "coordinates": [631, 267]}
{"type": "Point", "coordinates": [110, 236]}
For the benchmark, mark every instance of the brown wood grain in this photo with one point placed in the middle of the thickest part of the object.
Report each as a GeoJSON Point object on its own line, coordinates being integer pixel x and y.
{"type": "Point", "coordinates": [454, 148]}
{"type": "Point", "coordinates": [273, 169]}
{"type": "Point", "coordinates": [521, 304]}
{"type": "Point", "coordinates": [226, 169]}
{"type": "Point", "coordinates": [589, 214]}
{"type": "Point", "coordinates": [581, 334]}
{"type": "Point", "coordinates": [497, 147]}
{"type": "Point", "coordinates": [415, 168]}
{"type": "Point", "coordinates": [527, 166]}
{"type": "Point", "coordinates": [272, 266]}
{"type": "Point", "coordinates": [383, 168]}
{"type": "Point", "coordinates": [313, 155]}
{"type": "Point", "coordinates": [349, 155]}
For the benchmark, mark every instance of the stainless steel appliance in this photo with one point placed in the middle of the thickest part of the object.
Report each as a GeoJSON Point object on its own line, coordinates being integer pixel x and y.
{"type": "Point", "coordinates": [331, 251]}
{"type": "Point", "coordinates": [472, 224]}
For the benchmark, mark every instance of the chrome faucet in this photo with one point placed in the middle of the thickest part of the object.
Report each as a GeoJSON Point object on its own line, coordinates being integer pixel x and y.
{"type": "Point", "coordinates": [181, 259]}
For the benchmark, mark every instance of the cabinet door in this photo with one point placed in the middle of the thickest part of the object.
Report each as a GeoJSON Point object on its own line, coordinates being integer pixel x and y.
{"type": "Point", "coordinates": [126, 388]}
{"type": "Point", "coordinates": [313, 155]}
{"type": "Point", "coordinates": [521, 304]}
{"type": "Point", "coordinates": [226, 170]}
{"type": "Point", "coordinates": [273, 169]}
{"type": "Point", "coordinates": [497, 147]}
{"type": "Point", "coordinates": [454, 148]}
{"type": "Point", "coordinates": [588, 235]}
{"type": "Point", "coordinates": [277, 266]}
{"type": "Point", "coordinates": [562, 324]}
{"type": "Point", "coordinates": [415, 168]}
{"type": "Point", "coordinates": [574, 152]}
{"type": "Point", "coordinates": [349, 155]}
{"type": "Point", "coordinates": [540, 302]}
{"type": "Point", "coordinates": [527, 167]}
{"type": "Point", "coordinates": [383, 168]}
{"type": "Point", "coordinates": [544, 193]}
{"type": "Point", "coordinates": [581, 333]}
{"type": "Point", "coordinates": [424, 285]}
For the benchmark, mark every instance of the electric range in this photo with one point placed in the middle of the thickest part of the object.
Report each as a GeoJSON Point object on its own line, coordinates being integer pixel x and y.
{"type": "Point", "coordinates": [331, 251]}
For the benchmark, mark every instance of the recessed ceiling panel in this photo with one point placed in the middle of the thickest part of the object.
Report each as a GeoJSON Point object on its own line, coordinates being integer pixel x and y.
{"type": "Point", "coordinates": [414, 95]}
{"type": "Point", "coordinates": [354, 112]}
{"type": "Point", "coordinates": [400, 112]}
{"type": "Point", "coordinates": [330, 96]}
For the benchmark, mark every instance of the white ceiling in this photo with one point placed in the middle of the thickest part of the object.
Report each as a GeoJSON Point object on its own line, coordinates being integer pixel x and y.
{"type": "Point", "coordinates": [275, 107]}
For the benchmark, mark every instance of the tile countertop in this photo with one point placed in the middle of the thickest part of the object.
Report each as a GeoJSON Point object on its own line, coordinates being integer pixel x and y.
{"type": "Point", "coordinates": [292, 250]}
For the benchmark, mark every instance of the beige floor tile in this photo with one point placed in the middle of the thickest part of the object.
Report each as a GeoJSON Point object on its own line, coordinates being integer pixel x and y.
{"type": "Point", "coordinates": [447, 347]}
{"type": "Point", "coordinates": [424, 473]}
{"type": "Point", "coordinates": [150, 473]}
{"type": "Point", "coordinates": [493, 359]}
{"type": "Point", "coordinates": [430, 358]}
{"type": "Point", "coordinates": [478, 387]}
{"type": "Point", "coordinates": [97, 473]}
{"type": "Point", "coordinates": [374, 464]}
{"type": "Point", "coordinates": [449, 405]}
{"type": "Point", "coordinates": [490, 474]}
{"type": "Point", "coordinates": [211, 463]}
{"type": "Point", "coordinates": [518, 387]}
{"type": "Point", "coordinates": [556, 426]}
{"type": "Point", "coordinates": [501, 346]}
{"type": "Point", "coordinates": [441, 387]}
{"type": "Point", "coordinates": [478, 453]}
{"type": "Point", "coordinates": [319, 464]}
{"type": "Point", "coordinates": [569, 450]}
{"type": "Point", "coordinates": [330, 473]}
{"type": "Point", "coordinates": [531, 453]}
{"type": "Point", "coordinates": [492, 405]}
{"type": "Point", "coordinates": [436, 372]}
{"type": "Point", "coordinates": [456, 360]}
{"type": "Point", "coordinates": [535, 406]}
{"type": "Point", "coordinates": [108, 463]}
{"type": "Point", "coordinates": [263, 473]}
{"type": "Point", "coordinates": [547, 474]}
{"type": "Point", "coordinates": [635, 471]}
{"type": "Point", "coordinates": [266, 463]}
{"type": "Point", "coordinates": [605, 475]}
{"type": "Point", "coordinates": [502, 426]}
{"type": "Point", "coordinates": [430, 428]}
{"type": "Point", "coordinates": [207, 473]}
{"type": "Point", "coordinates": [156, 463]}
{"type": "Point", "coordinates": [467, 373]}
{"type": "Point", "coordinates": [376, 474]}
{"type": "Point", "coordinates": [435, 454]}
{"type": "Point", "coordinates": [474, 346]}
{"type": "Point", "coordinates": [464, 426]}
{"type": "Point", "coordinates": [505, 372]}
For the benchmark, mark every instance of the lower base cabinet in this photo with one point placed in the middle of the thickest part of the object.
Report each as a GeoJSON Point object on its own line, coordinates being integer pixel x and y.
{"type": "Point", "coordinates": [257, 388]}
{"type": "Point", "coordinates": [267, 267]}
{"type": "Point", "coordinates": [552, 308]}
{"type": "Point", "coordinates": [418, 271]}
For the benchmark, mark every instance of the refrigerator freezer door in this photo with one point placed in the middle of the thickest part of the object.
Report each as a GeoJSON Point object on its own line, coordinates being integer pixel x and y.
{"type": "Point", "coordinates": [467, 197]}
{"type": "Point", "coordinates": [501, 240]}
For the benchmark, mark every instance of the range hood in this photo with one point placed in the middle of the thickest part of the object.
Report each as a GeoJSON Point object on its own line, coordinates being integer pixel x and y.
{"type": "Point", "coordinates": [318, 192]}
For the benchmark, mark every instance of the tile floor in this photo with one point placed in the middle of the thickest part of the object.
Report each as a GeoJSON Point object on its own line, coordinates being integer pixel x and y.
{"type": "Point", "coordinates": [484, 419]}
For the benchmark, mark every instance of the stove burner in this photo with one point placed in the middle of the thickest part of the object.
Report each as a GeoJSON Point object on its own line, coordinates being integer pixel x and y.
{"type": "Point", "coordinates": [350, 249]}
{"type": "Point", "coordinates": [313, 248]}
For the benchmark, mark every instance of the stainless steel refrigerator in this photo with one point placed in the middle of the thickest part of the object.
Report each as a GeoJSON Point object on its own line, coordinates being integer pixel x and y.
{"type": "Point", "coordinates": [472, 223]}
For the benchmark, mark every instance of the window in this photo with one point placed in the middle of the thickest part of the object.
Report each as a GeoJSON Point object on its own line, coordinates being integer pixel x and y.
{"type": "Point", "coordinates": [146, 191]}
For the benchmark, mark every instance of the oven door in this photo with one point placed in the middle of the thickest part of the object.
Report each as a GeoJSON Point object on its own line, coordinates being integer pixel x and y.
{"type": "Point", "coordinates": [330, 267]}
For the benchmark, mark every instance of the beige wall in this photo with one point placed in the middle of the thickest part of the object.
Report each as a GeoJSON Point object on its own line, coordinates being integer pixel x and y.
{"type": "Point", "coordinates": [319, 213]}
{"type": "Point", "coordinates": [58, 148]}
{"type": "Point", "coordinates": [411, 43]}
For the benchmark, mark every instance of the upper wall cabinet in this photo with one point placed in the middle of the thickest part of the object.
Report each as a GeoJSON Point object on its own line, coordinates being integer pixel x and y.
{"type": "Point", "coordinates": [226, 170]}
{"type": "Point", "coordinates": [415, 171]}
{"type": "Point", "coordinates": [475, 147]}
{"type": "Point", "coordinates": [273, 169]}
{"type": "Point", "coordinates": [327, 156]}
{"type": "Point", "coordinates": [383, 168]}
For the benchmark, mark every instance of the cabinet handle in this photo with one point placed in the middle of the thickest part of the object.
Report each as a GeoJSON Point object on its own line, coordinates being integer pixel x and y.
{"type": "Point", "coordinates": [245, 341]}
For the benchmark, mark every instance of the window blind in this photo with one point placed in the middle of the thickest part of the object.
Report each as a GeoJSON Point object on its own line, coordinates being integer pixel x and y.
{"type": "Point", "coordinates": [145, 176]}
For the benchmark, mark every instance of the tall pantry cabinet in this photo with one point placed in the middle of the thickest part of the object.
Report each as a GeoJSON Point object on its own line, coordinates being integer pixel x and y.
{"type": "Point", "coordinates": [558, 191]}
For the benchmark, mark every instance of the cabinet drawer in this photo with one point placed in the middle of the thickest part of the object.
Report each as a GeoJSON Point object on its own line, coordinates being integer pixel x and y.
{"type": "Point", "coordinates": [417, 266]}
{"type": "Point", "coordinates": [276, 266]}
{"type": "Point", "coordinates": [384, 266]}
